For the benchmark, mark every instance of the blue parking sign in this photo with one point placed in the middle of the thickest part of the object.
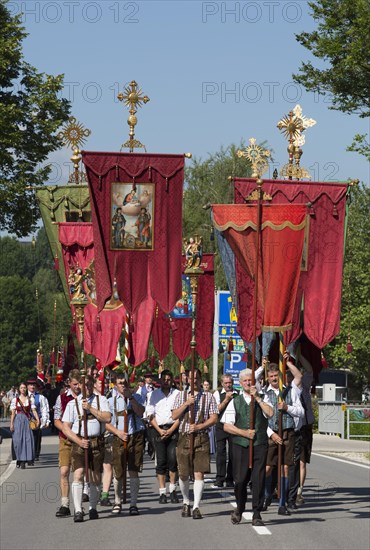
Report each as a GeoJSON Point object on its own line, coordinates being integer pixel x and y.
{"type": "Point", "coordinates": [234, 366]}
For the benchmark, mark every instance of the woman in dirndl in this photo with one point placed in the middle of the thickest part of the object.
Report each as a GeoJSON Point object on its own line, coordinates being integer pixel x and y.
{"type": "Point", "coordinates": [23, 409]}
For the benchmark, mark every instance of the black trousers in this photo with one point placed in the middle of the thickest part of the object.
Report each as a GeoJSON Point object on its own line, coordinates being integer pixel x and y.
{"type": "Point", "coordinates": [224, 463]}
{"type": "Point", "coordinates": [165, 451]}
{"type": "Point", "coordinates": [294, 470]}
{"type": "Point", "coordinates": [37, 436]}
{"type": "Point", "coordinates": [243, 474]}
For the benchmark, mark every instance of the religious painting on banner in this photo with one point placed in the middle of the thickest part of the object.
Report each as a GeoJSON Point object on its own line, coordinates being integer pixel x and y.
{"type": "Point", "coordinates": [184, 306]}
{"type": "Point", "coordinates": [132, 216]}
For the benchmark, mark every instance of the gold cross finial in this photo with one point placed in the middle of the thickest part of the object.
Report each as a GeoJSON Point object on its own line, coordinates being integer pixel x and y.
{"type": "Point", "coordinates": [133, 99]}
{"type": "Point", "coordinates": [257, 156]}
{"type": "Point", "coordinates": [74, 134]}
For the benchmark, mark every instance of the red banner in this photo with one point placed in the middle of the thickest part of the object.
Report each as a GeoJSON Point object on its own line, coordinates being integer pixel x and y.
{"type": "Point", "coordinates": [101, 333]}
{"type": "Point", "coordinates": [320, 283]}
{"type": "Point", "coordinates": [279, 260]}
{"type": "Point", "coordinates": [138, 232]}
{"type": "Point", "coordinates": [180, 328]}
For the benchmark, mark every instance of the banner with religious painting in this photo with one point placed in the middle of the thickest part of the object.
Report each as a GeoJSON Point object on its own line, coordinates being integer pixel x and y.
{"type": "Point", "coordinates": [137, 229]}
{"type": "Point", "coordinates": [178, 323]}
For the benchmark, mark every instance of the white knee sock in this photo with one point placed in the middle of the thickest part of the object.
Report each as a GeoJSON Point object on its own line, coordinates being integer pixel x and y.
{"type": "Point", "coordinates": [117, 484]}
{"type": "Point", "coordinates": [184, 488]}
{"type": "Point", "coordinates": [93, 500]}
{"type": "Point", "coordinates": [134, 490]}
{"type": "Point", "coordinates": [77, 496]}
{"type": "Point", "coordinates": [198, 492]}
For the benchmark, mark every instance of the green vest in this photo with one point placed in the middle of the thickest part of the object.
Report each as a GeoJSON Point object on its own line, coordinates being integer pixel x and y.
{"type": "Point", "coordinates": [242, 410]}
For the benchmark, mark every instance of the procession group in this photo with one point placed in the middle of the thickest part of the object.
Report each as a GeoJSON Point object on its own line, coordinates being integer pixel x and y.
{"type": "Point", "coordinates": [180, 428]}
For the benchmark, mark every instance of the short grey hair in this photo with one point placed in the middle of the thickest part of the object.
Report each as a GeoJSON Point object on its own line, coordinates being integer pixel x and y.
{"type": "Point", "coordinates": [245, 372]}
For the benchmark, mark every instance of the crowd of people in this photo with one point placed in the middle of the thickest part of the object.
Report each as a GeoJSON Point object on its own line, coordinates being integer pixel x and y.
{"type": "Point", "coordinates": [103, 433]}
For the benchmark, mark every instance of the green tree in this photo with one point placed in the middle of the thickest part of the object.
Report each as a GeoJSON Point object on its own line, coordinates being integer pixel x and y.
{"type": "Point", "coordinates": [30, 114]}
{"type": "Point", "coordinates": [355, 317]}
{"type": "Point", "coordinates": [32, 307]}
{"type": "Point", "coordinates": [207, 182]}
{"type": "Point", "coordinates": [342, 42]}
{"type": "Point", "coordinates": [18, 329]}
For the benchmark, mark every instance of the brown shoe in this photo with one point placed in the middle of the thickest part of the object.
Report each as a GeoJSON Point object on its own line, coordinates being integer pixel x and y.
{"type": "Point", "coordinates": [197, 514]}
{"type": "Point", "coordinates": [185, 512]}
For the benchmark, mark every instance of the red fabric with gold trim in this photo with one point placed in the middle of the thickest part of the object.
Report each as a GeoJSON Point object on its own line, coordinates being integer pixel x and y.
{"type": "Point", "coordinates": [321, 285]}
{"type": "Point", "coordinates": [130, 267]}
{"type": "Point", "coordinates": [280, 257]}
{"type": "Point", "coordinates": [101, 336]}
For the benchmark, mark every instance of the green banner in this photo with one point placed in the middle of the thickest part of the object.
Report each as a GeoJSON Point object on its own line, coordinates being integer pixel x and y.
{"type": "Point", "coordinates": [70, 203]}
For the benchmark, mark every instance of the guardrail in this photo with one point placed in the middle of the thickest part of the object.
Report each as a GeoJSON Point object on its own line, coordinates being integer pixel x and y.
{"type": "Point", "coordinates": [357, 415]}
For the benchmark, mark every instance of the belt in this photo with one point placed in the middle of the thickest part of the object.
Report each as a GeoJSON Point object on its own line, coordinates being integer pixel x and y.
{"type": "Point", "coordinates": [165, 426]}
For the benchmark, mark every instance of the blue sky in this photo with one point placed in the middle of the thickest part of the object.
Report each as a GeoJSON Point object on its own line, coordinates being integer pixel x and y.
{"type": "Point", "coordinates": [215, 72]}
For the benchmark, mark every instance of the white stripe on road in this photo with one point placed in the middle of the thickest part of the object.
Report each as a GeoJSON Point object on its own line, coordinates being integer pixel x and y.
{"type": "Point", "coordinates": [342, 460]}
{"type": "Point", "coordinates": [8, 472]}
{"type": "Point", "coordinates": [248, 517]}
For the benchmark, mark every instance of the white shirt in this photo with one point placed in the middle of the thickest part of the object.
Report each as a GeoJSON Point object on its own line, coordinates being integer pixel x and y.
{"type": "Point", "coordinates": [44, 409]}
{"type": "Point", "coordinates": [217, 395]}
{"type": "Point", "coordinates": [295, 410]}
{"type": "Point", "coordinates": [30, 401]}
{"type": "Point", "coordinates": [94, 427]}
{"type": "Point", "coordinates": [161, 405]}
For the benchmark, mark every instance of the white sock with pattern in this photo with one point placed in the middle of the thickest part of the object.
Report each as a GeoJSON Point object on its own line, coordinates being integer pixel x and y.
{"type": "Point", "coordinates": [77, 496]}
{"type": "Point", "coordinates": [198, 492]}
{"type": "Point", "coordinates": [134, 490]}
{"type": "Point", "coordinates": [184, 488]}
{"type": "Point", "coordinates": [117, 484]}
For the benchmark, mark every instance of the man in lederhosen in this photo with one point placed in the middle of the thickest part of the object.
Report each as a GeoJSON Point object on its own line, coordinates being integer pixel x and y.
{"type": "Point", "coordinates": [128, 445]}
{"type": "Point", "coordinates": [98, 414]}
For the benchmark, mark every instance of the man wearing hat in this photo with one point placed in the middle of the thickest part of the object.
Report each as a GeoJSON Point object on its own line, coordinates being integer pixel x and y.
{"type": "Point", "coordinates": [42, 407]}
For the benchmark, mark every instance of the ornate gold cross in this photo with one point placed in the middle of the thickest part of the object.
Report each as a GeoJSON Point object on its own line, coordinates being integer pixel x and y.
{"type": "Point", "coordinates": [133, 99]}
{"type": "Point", "coordinates": [257, 156]}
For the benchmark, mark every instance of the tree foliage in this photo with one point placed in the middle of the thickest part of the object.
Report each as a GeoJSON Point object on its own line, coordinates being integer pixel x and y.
{"type": "Point", "coordinates": [26, 317]}
{"type": "Point", "coordinates": [207, 182]}
{"type": "Point", "coordinates": [355, 318]}
{"type": "Point", "coordinates": [341, 41]}
{"type": "Point", "coordinates": [30, 114]}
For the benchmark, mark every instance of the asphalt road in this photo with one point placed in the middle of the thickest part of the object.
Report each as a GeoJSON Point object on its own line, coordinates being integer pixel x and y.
{"type": "Point", "coordinates": [334, 516]}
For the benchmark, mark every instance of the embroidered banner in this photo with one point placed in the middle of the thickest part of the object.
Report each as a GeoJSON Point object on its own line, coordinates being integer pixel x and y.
{"type": "Point", "coordinates": [102, 332]}
{"type": "Point", "coordinates": [280, 257]}
{"type": "Point", "coordinates": [62, 203]}
{"type": "Point", "coordinates": [180, 324]}
{"type": "Point", "coordinates": [128, 247]}
{"type": "Point", "coordinates": [320, 283]}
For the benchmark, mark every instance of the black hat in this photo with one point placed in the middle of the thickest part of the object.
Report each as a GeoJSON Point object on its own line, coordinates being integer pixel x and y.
{"type": "Point", "coordinates": [31, 381]}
